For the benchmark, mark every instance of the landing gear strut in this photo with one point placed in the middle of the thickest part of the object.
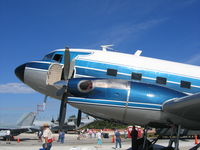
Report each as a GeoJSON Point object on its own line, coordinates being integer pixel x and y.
{"type": "Point", "coordinates": [175, 130]}
{"type": "Point", "coordinates": [145, 138]}
{"type": "Point", "coordinates": [144, 143]}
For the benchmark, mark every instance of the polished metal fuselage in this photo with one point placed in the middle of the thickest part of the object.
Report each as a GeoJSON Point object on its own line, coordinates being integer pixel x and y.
{"type": "Point", "coordinates": [131, 112]}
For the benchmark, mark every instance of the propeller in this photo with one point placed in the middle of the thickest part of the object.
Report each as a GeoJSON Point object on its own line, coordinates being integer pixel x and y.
{"type": "Point", "coordinates": [63, 110]}
{"type": "Point", "coordinates": [79, 118]}
{"type": "Point", "coordinates": [66, 64]}
{"type": "Point", "coordinates": [63, 105]}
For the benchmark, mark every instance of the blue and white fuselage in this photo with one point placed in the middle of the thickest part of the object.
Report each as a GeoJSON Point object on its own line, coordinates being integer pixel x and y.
{"type": "Point", "coordinates": [127, 88]}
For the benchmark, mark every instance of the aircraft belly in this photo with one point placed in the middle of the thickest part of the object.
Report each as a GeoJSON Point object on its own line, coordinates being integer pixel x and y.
{"type": "Point", "coordinates": [132, 116]}
{"type": "Point", "coordinates": [142, 116]}
{"type": "Point", "coordinates": [100, 111]}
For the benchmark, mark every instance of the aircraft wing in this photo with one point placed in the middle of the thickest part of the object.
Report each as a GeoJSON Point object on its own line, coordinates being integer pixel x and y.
{"type": "Point", "coordinates": [187, 107]}
{"type": "Point", "coordinates": [24, 125]}
{"type": "Point", "coordinates": [14, 131]}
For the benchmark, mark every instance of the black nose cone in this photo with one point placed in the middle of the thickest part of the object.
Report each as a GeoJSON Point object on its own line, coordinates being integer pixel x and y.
{"type": "Point", "coordinates": [19, 72]}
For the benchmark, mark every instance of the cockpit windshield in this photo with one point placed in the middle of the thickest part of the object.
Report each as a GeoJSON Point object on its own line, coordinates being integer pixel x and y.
{"type": "Point", "coordinates": [48, 56]}
{"type": "Point", "coordinates": [53, 57]}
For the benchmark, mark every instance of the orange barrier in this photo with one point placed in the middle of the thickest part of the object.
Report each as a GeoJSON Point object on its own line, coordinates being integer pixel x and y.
{"type": "Point", "coordinates": [18, 140]}
{"type": "Point", "coordinates": [196, 140]}
{"type": "Point", "coordinates": [113, 139]}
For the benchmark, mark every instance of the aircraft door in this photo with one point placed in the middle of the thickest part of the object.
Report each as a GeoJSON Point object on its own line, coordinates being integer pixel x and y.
{"type": "Point", "coordinates": [54, 73]}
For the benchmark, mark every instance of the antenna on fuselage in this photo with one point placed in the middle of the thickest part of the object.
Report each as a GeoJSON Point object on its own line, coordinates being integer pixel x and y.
{"type": "Point", "coordinates": [138, 52]}
{"type": "Point", "coordinates": [105, 47]}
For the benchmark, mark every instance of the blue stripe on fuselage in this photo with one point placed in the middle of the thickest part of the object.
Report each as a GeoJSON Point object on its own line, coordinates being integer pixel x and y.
{"type": "Point", "coordinates": [145, 106]}
{"type": "Point", "coordinates": [96, 101]}
{"type": "Point", "coordinates": [113, 103]}
{"type": "Point", "coordinates": [38, 65]}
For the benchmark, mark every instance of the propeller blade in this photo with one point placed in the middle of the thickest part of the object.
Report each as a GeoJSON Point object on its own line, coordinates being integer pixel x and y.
{"type": "Point", "coordinates": [63, 109]}
{"type": "Point", "coordinates": [66, 64]}
{"type": "Point", "coordinates": [79, 118]}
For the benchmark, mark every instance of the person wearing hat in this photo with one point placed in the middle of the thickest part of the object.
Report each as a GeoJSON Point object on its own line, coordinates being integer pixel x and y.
{"type": "Point", "coordinates": [134, 135]}
{"type": "Point", "coordinates": [47, 137]}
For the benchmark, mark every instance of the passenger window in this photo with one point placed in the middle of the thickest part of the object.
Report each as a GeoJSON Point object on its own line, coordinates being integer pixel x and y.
{"type": "Point", "coordinates": [57, 57]}
{"type": "Point", "coordinates": [161, 80]}
{"type": "Point", "coordinates": [185, 84]}
{"type": "Point", "coordinates": [136, 76]}
{"type": "Point", "coordinates": [111, 72]}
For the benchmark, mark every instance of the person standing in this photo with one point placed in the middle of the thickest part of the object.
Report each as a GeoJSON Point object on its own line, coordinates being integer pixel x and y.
{"type": "Point", "coordinates": [62, 136]}
{"type": "Point", "coordinates": [40, 135]}
{"type": "Point", "coordinates": [125, 134]}
{"type": "Point", "coordinates": [47, 137]}
{"type": "Point", "coordinates": [134, 135]}
{"type": "Point", "coordinates": [117, 139]}
{"type": "Point", "coordinates": [8, 136]}
{"type": "Point", "coordinates": [99, 139]}
{"type": "Point", "coordinates": [59, 135]}
{"type": "Point", "coordinates": [90, 133]}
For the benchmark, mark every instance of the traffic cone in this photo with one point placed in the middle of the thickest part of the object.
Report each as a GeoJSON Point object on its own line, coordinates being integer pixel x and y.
{"type": "Point", "coordinates": [18, 140]}
{"type": "Point", "coordinates": [196, 140]}
{"type": "Point", "coordinates": [113, 139]}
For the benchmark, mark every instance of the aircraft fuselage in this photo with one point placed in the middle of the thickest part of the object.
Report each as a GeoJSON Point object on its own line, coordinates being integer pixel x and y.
{"type": "Point", "coordinates": [127, 88]}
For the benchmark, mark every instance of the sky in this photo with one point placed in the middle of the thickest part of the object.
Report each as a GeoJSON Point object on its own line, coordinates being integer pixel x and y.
{"type": "Point", "coordinates": [29, 29]}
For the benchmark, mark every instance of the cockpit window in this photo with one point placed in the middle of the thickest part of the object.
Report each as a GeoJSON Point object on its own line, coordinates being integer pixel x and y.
{"type": "Point", "coordinates": [85, 86]}
{"type": "Point", "coordinates": [57, 57]}
{"type": "Point", "coordinates": [48, 56]}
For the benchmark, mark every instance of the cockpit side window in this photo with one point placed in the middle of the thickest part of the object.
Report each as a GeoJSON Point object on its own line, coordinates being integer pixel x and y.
{"type": "Point", "coordinates": [48, 56]}
{"type": "Point", "coordinates": [57, 57]}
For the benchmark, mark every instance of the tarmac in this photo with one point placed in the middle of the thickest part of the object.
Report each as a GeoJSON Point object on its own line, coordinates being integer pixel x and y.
{"type": "Point", "coordinates": [30, 142]}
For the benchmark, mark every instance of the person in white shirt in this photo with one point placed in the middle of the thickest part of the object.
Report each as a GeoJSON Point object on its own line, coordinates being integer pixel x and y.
{"type": "Point", "coordinates": [99, 139]}
{"type": "Point", "coordinates": [47, 137]}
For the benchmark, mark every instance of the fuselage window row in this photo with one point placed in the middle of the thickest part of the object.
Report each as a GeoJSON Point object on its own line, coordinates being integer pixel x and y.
{"type": "Point", "coordinates": [159, 80]}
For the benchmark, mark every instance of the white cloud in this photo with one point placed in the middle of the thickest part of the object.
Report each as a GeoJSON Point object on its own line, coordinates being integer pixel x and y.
{"type": "Point", "coordinates": [194, 60]}
{"type": "Point", "coordinates": [121, 32]}
{"type": "Point", "coordinates": [15, 88]}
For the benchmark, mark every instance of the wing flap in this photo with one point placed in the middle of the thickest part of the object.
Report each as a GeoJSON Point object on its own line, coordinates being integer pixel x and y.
{"type": "Point", "coordinates": [187, 107]}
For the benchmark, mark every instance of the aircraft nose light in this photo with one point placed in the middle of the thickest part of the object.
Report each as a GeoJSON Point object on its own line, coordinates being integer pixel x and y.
{"type": "Point", "coordinates": [19, 72]}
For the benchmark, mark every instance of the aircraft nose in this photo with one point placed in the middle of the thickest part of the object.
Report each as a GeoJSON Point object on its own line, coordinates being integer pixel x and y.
{"type": "Point", "coordinates": [19, 72]}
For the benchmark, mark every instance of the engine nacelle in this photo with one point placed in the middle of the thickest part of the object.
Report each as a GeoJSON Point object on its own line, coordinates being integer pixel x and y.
{"type": "Point", "coordinates": [121, 90]}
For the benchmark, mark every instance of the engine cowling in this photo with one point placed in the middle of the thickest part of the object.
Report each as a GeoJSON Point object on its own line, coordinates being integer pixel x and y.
{"type": "Point", "coordinates": [121, 90]}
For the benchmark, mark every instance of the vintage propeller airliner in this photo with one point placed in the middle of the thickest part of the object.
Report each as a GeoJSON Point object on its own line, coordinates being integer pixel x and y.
{"type": "Point", "coordinates": [128, 88]}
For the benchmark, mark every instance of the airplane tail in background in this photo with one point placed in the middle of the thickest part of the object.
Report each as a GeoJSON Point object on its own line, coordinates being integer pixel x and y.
{"type": "Point", "coordinates": [27, 120]}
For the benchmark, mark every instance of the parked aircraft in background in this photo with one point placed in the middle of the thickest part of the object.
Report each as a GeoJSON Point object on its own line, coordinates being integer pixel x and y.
{"type": "Point", "coordinates": [23, 125]}
{"type": "Point", "coordinates": [69, 125]}
{"type": "Point", "coordinates": [123, 87]}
